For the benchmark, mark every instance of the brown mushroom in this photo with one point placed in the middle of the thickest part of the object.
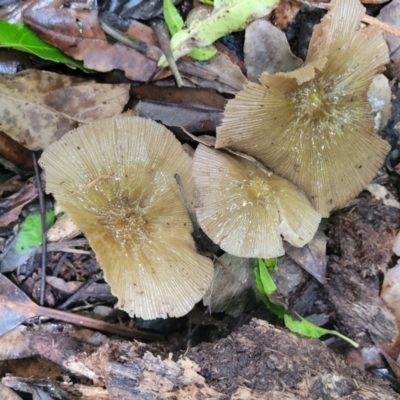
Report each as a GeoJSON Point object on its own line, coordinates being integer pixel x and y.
{"type": "Point", "coordinates": [314, 125]}
{"type": "Point", "coordinates": [246, 210]}
{"type": "Point", "coordinates": [115, 178]}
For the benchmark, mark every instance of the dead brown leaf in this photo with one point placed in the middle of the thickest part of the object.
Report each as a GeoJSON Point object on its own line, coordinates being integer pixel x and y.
{"type": "Point", "coordinates": [11, 206]}
{"type": "Point", "coordinates": [63, 229]}
{"type": "Point", "coordinates": [271, 54]}
{"type": "Point", "coordinates": [38, 107]}
{"type": "Point", "coordinates": [197, 110]}
{"type": "Point", "coordinates": [311, 257]}
{"type": "Point", "coordinates": [13, 12]}
{"type": "Point", "coordinates": [78, 34]}
{"type": "Point", "coordinates": [233, 289]}
{"type": "Point", "coordinates": [15, 152]}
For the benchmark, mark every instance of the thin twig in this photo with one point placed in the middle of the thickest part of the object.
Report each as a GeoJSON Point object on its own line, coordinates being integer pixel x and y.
{"type": "Point", "coordinates": [161, 31]}
{"type": "Point", "coordinates": [44, 227]}
{"type": "Point", "coordinates": [60, 263]}
{"type": "Point", "coordinates": [75, 295]}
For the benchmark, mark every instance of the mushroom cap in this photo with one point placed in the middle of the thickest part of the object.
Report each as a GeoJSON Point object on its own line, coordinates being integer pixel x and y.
{"type": "Point", "coordinates": [115, 177]}
{"type": "Point", "coordinates": [314, 125]}
{"type": "Point", "coordinates": [245, 210]}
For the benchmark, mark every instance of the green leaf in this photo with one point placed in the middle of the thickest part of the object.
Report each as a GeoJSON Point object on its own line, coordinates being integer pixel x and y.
{"type": "Point", "coordinates": [266, 280]}
{"type": "Point", "coordinates": [297, 324]}
{"type": "Point", "coordinates": [203, 53]}
{"type": "Point", "coordinates": [274, 308]}
{"type": "Point", "coordinates": [20, 37]}
{"type": "Point", "coordinates": [30, 234]}
{"type": "Point", "coordinates": [227, 16]}
{"type": "Point", "coordinates": [175, 23]}
{"type": "Point", "coordinates": [306, 328]}
{"type": "Point", "coordinates": [172, 17]}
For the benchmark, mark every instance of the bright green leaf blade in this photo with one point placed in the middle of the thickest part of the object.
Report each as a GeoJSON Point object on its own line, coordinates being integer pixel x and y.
{"type": "Point", "coordinates": [227, 16]}
{"type": "Point", "coordinates": [306, 328]}
{"type": "Point", "coordinates": [30, 234]}
{"type": "Point", "coordinates": [20, 37]}
{"type": "Point", "coordinates": [260, 286]}
{"type": "Point", "coordinates": [207, 2]}
{"type": "Point", "coordinates": [271, 263]}
{"type": "Point", "coordinates": [172, 17]}
{"type": "Point", "coordinates": [266, 280]}
{"type": "Point", "coordinates": [203, 53]}
{"type": "Point", "coordinates": [274, 308]}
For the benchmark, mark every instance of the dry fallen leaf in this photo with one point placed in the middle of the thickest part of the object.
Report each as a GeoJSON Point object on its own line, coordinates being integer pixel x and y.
{"type": "Point", "coordinates": [228, 76]}
{"type": "Point", "coordinates": [196, 110]}
{"type": "Point", "coordinates": [38, 107]}
{"type": "Point", "coordinates": [15, 152]}
{"type": "Point", "coordinates": [266, 49]}
{"type": "Point", "coordinates": [87, 41]}
{"type": "Point", "coordinates": [311, 257]}
{"type": "Point", "coordinates": [11, 206]}
{"type": "Point", "coordinates": [63, 229]}
{"type": "Point", "coordinates": [232, 289]}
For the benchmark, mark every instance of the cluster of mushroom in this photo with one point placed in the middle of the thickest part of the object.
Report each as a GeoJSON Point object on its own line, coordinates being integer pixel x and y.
{"type": "Point", "coordinates": [311, 127]}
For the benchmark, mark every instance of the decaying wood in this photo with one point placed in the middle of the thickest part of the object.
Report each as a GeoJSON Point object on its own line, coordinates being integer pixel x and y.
{"type": "Point", "coordinates": [359, 308]}
{"type": "Point", "coordinates": [259, 361]}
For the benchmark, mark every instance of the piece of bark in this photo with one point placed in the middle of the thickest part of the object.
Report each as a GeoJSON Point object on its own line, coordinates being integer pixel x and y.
{"type": "Point", "coordinates": [358, 306]}
{"type": "Point", "coordinates": [258, 361]}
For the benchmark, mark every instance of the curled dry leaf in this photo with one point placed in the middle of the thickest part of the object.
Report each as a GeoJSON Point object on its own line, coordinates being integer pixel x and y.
{"type": "Point", "coordinates": [314, 125]}
{"type": "Point", "coordinates": [245, 210]}
{"type": "Point", "coordinates": [115, 178]}
{"type": "Point", "coordinates": [272, 54]}
{"type": "Point", "coordinates": [38, 107]}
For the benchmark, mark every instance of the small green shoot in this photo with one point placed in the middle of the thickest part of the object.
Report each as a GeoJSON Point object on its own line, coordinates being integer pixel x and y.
{"type": "Point", "coordinates": [293, 322]}
{"type": "Point", "coordinates": [19, 37]}
{"type": "Point", "coordinates": [30, 233]}
{"type": "Point", "coordinates": [172, 17]}
{"type": "Point", "coordinates": [175, 24]}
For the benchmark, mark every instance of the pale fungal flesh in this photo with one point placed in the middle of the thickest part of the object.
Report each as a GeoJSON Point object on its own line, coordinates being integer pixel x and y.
{"type": "Point", "coordinates": [245, 210]}
{"type": "Point", "coordinates": [115, 178]}
{"type": "Point", "coordinates": [314, 125]}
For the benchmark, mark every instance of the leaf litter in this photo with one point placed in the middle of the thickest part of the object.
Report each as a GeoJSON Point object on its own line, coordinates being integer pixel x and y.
{"type": "Point", "coordinates": [349, 265]}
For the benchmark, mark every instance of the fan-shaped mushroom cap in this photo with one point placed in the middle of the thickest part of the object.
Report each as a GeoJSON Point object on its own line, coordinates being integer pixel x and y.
{"type": "Point", "coordinates": [115, 177]}
{"type": "Point", "coordinates": [245, 210]}
{"type": "Point", "coordinates": [314, 125]}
